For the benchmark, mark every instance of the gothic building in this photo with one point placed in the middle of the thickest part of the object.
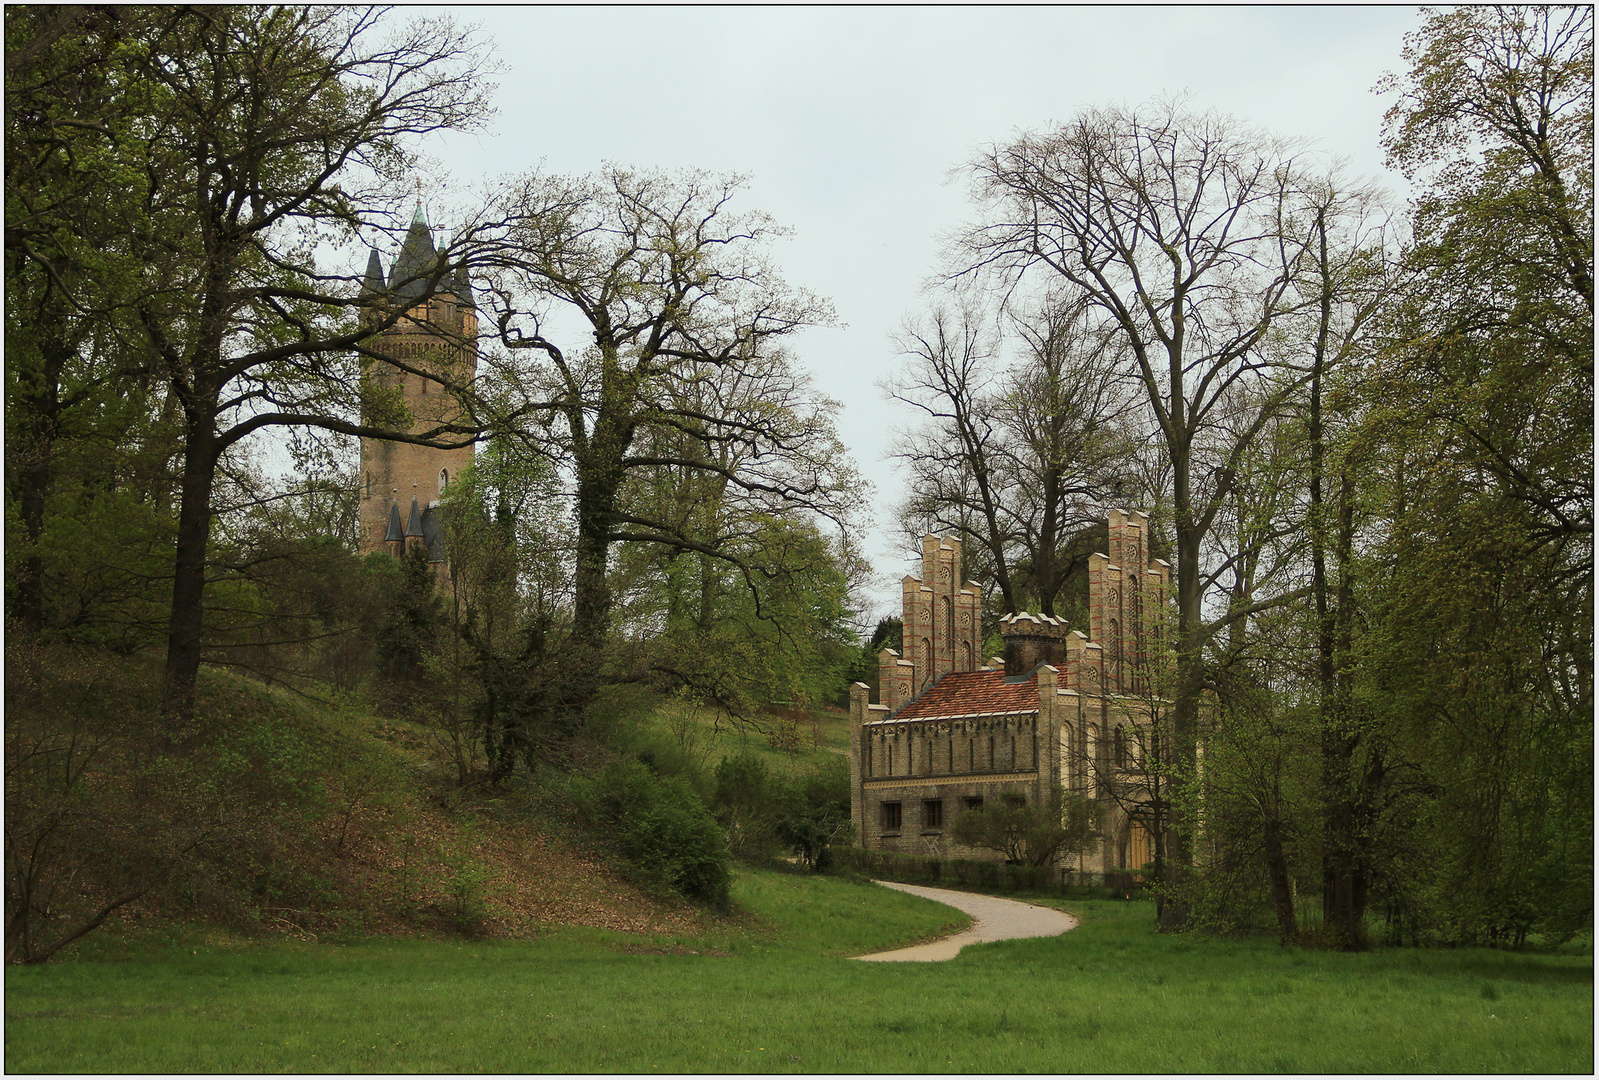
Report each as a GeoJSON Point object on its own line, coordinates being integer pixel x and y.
{"type": "Point", "coordinates": [401, 483]}
{"type": "Point", "coordinates": [1061, 707]}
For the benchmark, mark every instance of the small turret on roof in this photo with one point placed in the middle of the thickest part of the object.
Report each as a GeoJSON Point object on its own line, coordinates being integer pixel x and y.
{"type": "Point", "coordinates": [460, 286]}
{"type": "Point", "coordinates": [373, 284]}
{"type": "Point", "coordinates": [413, 524]}
{"type": "Point", "coordinates": [396, 534]}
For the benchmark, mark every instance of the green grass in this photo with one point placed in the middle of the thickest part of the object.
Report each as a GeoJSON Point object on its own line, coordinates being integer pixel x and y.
{"type": "Point", "coordinates": [710, 738]}
{"type": "Point", "coordinates": [773, 992]}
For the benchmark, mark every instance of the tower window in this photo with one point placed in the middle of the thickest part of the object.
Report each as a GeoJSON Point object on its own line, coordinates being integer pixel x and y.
{"type": "Point", "coordinates": [444, 480]}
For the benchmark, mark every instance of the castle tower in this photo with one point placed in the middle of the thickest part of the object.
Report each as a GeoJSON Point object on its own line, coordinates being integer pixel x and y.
{"type": "Point", "coordinates": [942, 625]}
{"type": "Point", "coordinates": [1126, 601]}
{"type": "Point", "coordinates": [436, 336]}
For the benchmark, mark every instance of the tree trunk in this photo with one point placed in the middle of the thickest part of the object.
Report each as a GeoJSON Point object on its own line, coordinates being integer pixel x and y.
{"type": "Point", "coordinates": [1185, 780]}
{"type": "Point", "coordinates": [1282, 894]}
{"type": "Point", "coordinates": [185, 628]}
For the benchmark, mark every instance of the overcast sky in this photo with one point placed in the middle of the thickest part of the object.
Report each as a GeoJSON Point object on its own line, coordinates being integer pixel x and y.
{"type": "Point", "coordinates": [848, 121]}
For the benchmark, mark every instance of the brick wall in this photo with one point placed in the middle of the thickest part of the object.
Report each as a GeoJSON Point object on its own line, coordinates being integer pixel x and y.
{"type": "Point", "coordinates": [440, 336]}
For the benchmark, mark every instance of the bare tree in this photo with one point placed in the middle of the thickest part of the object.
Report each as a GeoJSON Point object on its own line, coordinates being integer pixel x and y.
{"type": "Point", "coordinates": [1017, 458]}
{"type": "Point", "coordinates": [1183, 234]}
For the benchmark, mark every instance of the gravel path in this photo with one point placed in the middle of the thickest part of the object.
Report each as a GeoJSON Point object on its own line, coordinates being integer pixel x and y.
{"type": "Point", "coordinates": [993, 919]}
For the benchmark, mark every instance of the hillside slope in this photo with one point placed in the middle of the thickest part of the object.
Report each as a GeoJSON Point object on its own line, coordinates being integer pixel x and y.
{"type": "Point", "coordinates": [270, 813]}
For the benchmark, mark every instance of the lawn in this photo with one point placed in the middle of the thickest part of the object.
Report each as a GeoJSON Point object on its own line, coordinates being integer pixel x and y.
{"type": "Point", "coordinates": [775, 993]}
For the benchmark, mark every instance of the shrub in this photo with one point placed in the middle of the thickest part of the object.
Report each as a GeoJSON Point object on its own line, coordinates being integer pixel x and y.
{"type": "Point", "coordinates": [743, 801]}
{"type": "Point", "coordinates": [815, 815]}
{"type": "Point", "coordinates": [664, 834]}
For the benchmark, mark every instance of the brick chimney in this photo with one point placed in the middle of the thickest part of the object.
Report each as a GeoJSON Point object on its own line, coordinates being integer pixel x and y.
{"type": "Point", "coordinates": [1031, 640]}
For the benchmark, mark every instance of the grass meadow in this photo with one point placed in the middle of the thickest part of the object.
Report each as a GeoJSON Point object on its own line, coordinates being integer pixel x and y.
{"type": "Point", "coordinates": [773, 991]}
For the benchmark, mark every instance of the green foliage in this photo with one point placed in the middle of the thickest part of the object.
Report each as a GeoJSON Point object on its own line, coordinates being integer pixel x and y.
{"type": "Point", "coordinates": [659, 827]}
{"type": "Point", "coordinates": [409, 635]}
{"type": "Point", "coordinates": [816, 814]}
{"type": "Point", "coordinates": [744, 804]}
{"type": "Point", "coordinates": [466, 880]}
{"type": "Point", "coordinates": [805, 815]}
{"type": "Point", "coordinates": [1478, 664]}
{"type": "Point", "coordinates": [1035, 834]}
{"type": "Point", "coordinates": [779, 635]}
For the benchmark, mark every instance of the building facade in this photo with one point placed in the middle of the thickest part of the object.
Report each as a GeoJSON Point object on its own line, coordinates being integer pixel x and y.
{"type": "Point", "coordinates": [433, 342]}
{"type": "Point", "coordinates": [1060, 708]}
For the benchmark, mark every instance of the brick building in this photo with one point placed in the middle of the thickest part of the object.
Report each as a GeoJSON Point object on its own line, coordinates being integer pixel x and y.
{"type": "Point", "coordinates": [1060, 707]}
{"type": "Point", "coordinates": [401, 483]}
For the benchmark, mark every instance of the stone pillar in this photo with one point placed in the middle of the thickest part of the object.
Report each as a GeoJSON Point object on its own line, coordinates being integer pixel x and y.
{"type": "Point", "coordinates": [969, 620]}
{"type": "Point", "coordinates": [1048, 731]}
{"type": "Point", "coordinates": [917, 627]}
{"type": "Point", "coordinates": [888, 689]}
{"type": "Point", "coordinates": [943, 579]}
{"type": "Point", "coordinates": [859, 696]}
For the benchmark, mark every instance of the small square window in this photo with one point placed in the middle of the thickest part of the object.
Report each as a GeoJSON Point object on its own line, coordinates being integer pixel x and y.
{"type": "Point", "coordinates": [972, 802]}
{"type": "Point", "coordinates": [891, 815]}
{"type": "Point", "coordinates": [932, 813]}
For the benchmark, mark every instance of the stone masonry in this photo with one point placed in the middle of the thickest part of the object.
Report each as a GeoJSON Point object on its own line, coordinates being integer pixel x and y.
{"type": "Point", "coordinates": [402, 483]}
{"type": "Point", "coordinates": [1060, 707]}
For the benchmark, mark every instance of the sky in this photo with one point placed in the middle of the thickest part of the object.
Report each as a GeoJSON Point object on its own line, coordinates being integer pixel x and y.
{"type": "Point", "coordinates": [851, 124]}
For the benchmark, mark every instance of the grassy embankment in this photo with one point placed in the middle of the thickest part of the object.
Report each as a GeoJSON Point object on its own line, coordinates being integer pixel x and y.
{"type": "Point", "coordinates": [773, 992]}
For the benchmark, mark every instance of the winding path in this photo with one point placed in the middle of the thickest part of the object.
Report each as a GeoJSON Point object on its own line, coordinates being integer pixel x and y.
{"type": "Point", "coordinates": [993, 919]}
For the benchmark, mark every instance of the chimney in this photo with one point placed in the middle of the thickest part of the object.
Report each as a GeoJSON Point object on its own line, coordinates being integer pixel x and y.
{"type": "Point", "coordinates": [1031, 640]}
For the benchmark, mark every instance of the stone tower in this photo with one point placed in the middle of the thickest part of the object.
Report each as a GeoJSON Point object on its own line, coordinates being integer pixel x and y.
{"type": "Point", "coordinates": [401, 483]}
{"type": "Point", "coordinates": [942, 625]}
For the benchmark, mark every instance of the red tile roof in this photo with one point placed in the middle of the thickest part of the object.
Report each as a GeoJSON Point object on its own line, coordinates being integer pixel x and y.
{"type": "Point", "coordinates": [964, 693]}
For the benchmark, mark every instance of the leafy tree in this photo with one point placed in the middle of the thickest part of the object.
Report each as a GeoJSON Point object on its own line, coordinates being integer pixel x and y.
{"type": "Point", "coordinates": [815, 817]}
{"type": "Point", "coordinates": [86, 476]}
{"type": "Point", "coordinates": [1031, 834]}
{"type": "Point", "coordinates": [679, 374]}
{"type": "Point", "coordinates": [256, 134]}
{"type": "Point", "coordinates": [1482, 640]}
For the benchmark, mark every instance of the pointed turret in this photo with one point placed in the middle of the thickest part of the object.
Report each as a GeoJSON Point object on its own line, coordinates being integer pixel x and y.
{"type": "Point", "coordinates": [395, 535]}
{"type": "Point", "coordinates": [413, 524]}
{"type": "Point", "coordinates": [415, 264]}
{"type": "Point", "coordinates": [373, 284]}
{"type": "Point", "coordinates": [457, 284]}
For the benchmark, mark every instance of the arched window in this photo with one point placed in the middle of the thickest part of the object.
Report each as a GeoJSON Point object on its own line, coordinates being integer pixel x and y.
{"type": "Point", "coordinates": [1121, 748]}
{"type": "Point", "coordinates": [444, 480]}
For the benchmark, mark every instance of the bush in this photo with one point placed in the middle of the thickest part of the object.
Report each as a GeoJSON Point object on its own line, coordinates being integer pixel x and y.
{"type": "Point", "coordinates": [816, 814]}
{"type": "Point", "coordinates": [657, 826]}
{"type": "Point", "coordinates": [744, 804]}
